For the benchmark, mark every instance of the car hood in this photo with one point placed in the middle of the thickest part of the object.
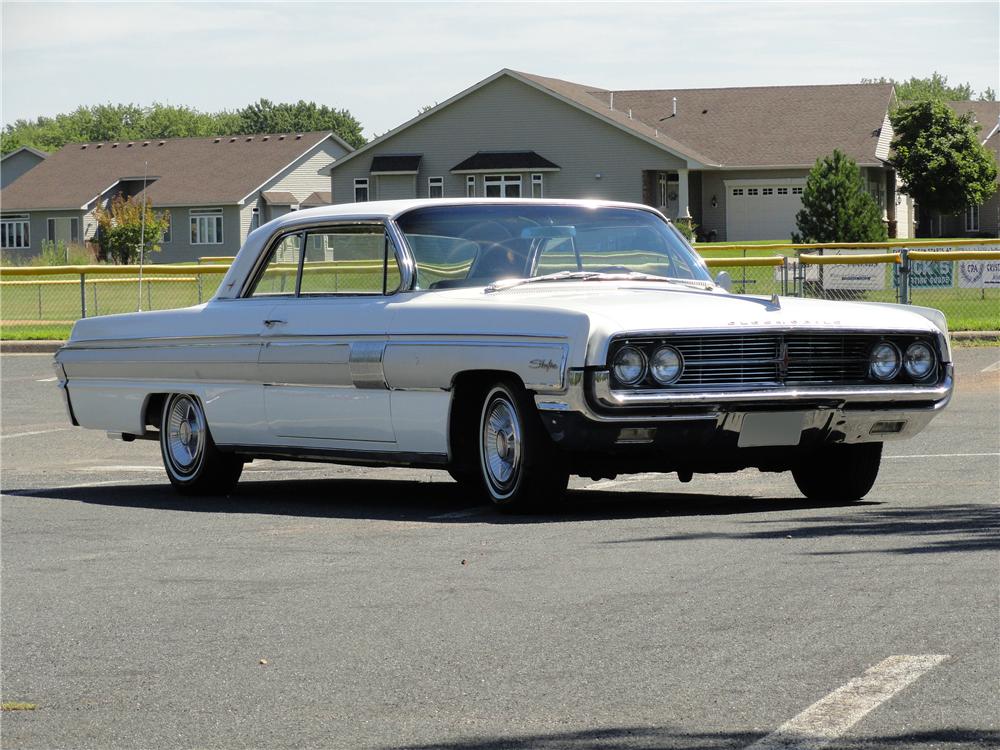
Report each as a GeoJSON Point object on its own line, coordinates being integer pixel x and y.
{"type": "Point", "coordinates": [614, 308]}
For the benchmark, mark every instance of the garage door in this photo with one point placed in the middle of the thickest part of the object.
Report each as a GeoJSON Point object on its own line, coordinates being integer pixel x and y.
{"type": "Point", "coordinates": [762, 211]}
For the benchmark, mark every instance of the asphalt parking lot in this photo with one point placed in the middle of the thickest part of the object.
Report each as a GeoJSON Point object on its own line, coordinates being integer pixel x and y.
{"type": "Point", "coordinates": [333, 607]}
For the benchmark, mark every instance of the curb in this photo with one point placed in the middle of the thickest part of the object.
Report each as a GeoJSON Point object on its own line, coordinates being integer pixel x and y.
{"type": "Point", "coordinates": [50, 347]}
{"type": "Point", "coordinates": [30, 347]}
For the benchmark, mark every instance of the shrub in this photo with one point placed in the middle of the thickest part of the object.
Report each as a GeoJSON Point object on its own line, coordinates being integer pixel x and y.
{"type": "Point", "coordinates": [120, 229]}
{"type": "Point", "coordinates": [836, 207]}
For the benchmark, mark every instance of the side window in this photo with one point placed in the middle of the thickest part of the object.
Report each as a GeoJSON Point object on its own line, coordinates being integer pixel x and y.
{"type": "Point", "coordinates": [278, 278]}
{"type": "Point", "coordinates": [349, 260]}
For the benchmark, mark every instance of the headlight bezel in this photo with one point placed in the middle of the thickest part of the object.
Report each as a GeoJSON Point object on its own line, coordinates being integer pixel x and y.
{"type": "Point", "coordinates": [896, 369]}
{"type": "Point", "coordinates": [932, 358]}
{"type": "Point", "coordinates": [680, 365]}
{"type": "Point", "coordinates": [643, 368]}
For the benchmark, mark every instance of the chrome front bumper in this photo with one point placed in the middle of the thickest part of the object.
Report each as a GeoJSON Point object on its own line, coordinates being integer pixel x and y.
{"type": "Point", "coordinates": [844, 414]}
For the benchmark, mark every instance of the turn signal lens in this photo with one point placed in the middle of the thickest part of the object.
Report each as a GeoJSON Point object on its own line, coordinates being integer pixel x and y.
{"type": "Point", "coordinates": [918, 361]}
{"type": "Point", "coordinates": [629, 365]}
{"type": "Point", "coordinates": [666, 365]}
{"type": "Point", "coordinates": [885, 362]}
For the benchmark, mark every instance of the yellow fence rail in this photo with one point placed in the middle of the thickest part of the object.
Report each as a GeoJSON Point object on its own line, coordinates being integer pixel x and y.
{"type": "Point", "coordinates": [845, 260]}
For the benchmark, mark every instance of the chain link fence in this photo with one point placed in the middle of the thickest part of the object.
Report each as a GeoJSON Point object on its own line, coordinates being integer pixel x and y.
{"type": "Point", "coordinates": [960, 278]}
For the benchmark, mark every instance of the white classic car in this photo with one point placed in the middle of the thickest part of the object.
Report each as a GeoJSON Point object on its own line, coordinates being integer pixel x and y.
{"type": "Point", "coordinates": [513, 343]}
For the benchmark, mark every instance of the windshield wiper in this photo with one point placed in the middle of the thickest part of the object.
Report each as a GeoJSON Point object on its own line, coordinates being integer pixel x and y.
{"type": "Point", "coordinates": [502, 284]}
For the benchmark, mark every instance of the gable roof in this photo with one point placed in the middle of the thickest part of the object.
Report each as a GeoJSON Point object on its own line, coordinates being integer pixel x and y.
{"type": "Point", "coordinates": [986, 115]}
{"type": "Point", "coordinates": [482, 161]}
{"type": "Point", "coordinates": [25, 149]}
{"type": "Point", "coordinates": [189, 171]}
{"type": "Point", "coordinates": [753, 127]}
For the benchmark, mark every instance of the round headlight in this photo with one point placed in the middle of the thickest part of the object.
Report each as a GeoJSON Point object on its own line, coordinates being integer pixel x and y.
{"type": "Point", "coordinates": [918, 361]}
{"type": "Point", "coordinates": [885, 362]}
{"type": "Point", "coordinates": [666, 365]}
{"type": "Point", "coordinates": [629, 365]}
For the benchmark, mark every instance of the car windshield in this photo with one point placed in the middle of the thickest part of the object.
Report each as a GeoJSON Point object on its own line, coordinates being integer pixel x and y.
{"type": "Point", "coordinates": [479, 244]}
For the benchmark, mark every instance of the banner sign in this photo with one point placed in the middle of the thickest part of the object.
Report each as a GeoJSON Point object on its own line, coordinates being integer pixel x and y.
{"type": "Point", "coordinates": [978, 274]}
{"type": "Point", "coordinates": [860, 276]}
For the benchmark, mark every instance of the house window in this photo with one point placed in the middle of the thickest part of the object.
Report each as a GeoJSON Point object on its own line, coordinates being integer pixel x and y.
{"type": "Point", "coordinates": [435, 187]}
{"type": "Point", "coordinates": [782, 191]}
{"type": "Point", "coordinates": [470, 186]}
{"type": "Point", "coordinates": [360, 189]}
{"type": "Point", "coordinates": [206, 226]}
{"type": "Point", "coordinates": [536, 186]}
{"type": "Point", "coordinates": [752, 191]}
{"type": "Point", "coordinates": [737, 191]}
{"type": "Point", "coordinates": [14, 231]}
{"type": "Point", "coordinates": [254, 219]}
{"type": "Point", "coordinates": [767, 191]}
{"type": "Point", "coordinates": [502, 185]}
{"type": "Point", "coordinates": [796, 191]}
{"type": "Point", "coordinates": [165, 237]}
{"type": "Point", "coordinates": [972, 219]}
{"type": "Point", "coordinates": [63, 229]}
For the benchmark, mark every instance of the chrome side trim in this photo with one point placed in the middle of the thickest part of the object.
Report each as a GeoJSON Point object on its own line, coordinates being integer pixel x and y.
{"type": "Point", "coordinates": [351, 457]}
{"type": "Point", "coordinates": [366, 366]}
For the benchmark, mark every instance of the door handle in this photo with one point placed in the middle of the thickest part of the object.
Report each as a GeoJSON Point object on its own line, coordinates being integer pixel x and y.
{"type": "Point", "coordinates": [274, 322]}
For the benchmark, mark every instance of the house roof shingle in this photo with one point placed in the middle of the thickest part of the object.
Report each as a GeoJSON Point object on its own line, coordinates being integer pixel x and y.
{"type": "Point", "coordinates": [279, 198]}
{"type": "Point", "coordinates": [504, 160]}
{"type": "Point", "coordinates": [189, 171]}
{"type": "Point", "coordinates": [760, 126]}
{"type": "Point", "coordinates": [395, 164]}
{"type": "Point", "coordinates": [319, 198]}
{"type": "Point", "coordinates": [986, 115]}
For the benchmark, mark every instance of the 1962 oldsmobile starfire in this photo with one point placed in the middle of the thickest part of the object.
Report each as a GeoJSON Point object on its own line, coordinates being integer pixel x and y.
{"type": "Point", "coordinates": [513, 343]}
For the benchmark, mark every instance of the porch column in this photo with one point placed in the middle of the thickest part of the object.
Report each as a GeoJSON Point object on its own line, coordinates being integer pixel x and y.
{"type": "Point", "coordinates": [683, 211]}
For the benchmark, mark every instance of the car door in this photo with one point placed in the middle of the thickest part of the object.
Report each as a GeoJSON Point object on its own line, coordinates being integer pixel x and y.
{"type": "Point", "coordinates": [322, 347]}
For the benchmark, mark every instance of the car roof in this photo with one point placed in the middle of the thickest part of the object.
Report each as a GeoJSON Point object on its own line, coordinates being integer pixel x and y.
{"type": "Point", "coordinates": [391, 209]}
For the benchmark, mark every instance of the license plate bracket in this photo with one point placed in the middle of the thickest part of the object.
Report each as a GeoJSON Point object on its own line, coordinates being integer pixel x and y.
{"type": "Point", "coordinates": [762, 429]}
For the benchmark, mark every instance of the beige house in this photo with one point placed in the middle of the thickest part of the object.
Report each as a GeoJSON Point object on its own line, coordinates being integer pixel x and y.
{"type": "Point", "coordinates": [217, 190]}
{"type": "Point", "coordinates": [734, 160]}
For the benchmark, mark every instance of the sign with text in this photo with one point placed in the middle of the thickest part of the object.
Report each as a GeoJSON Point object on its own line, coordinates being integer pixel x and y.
{"type": "Point", "coordinates": [978, 274]}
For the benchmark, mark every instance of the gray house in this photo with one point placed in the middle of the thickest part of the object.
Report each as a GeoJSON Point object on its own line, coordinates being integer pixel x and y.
{"type": "Point", "coordinates": [734, 160]}
{"type": "Point", "coordinates": [216, 190]}
{"type": "Point", "coordinates": [16, 163]}
{"type": "Point", "coordinates": [982, 220]}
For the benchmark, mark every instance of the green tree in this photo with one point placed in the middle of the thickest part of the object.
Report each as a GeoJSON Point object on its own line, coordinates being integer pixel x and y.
{"type": "Point", "coordinates": [264, 116]}
{"type": "Point", "coordinates": [120, 229]}
{"type": "Point", "coordinates": [935, 87]}
{"type": "Point", "coordinates": [836, 207]}
{"type": "Point", "coordinates": [939, 158]}
{"type": "Point", "coordinates": [122, 122]}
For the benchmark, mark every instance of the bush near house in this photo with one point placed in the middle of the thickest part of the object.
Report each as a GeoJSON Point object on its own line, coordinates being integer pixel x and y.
{"type": "Point", "coordinates": [120, 229]}
{"type": "Point", "coordinates": [836, 207]}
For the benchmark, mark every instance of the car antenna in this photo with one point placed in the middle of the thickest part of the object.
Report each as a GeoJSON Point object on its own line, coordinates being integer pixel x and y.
{"type": "Point", "coordinates": [142, 231]}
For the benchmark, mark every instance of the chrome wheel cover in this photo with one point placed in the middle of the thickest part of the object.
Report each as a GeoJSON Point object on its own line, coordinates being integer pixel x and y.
{"type": "Point", "coordinates": [186, 435]}
{"type": "Point", "coordinates": [501, 444]}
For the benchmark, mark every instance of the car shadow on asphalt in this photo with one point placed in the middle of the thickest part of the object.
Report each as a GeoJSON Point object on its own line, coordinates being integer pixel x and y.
{"type": "Point", "coordinates": [416, 501]}
{"type": "Point", "coordinates": [668, 737]}
{"type": "Point", "coordinates": [907, 530]}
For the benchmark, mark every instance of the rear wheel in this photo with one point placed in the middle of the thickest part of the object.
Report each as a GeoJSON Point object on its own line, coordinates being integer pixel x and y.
{"type": "Point", "coordinates": [519, 466]}
{"type": "Point", "coordinates": [841, 472]}
{"type": "Point", "coordinates": [193, 462]}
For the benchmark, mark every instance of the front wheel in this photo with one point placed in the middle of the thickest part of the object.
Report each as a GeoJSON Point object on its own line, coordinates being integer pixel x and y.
{"type": "Point", "coordinates": [195, 466]}
{"type": "Point", "coordinates": [841, 472]}
{"type": "Point", "coordinates": [520, 467]}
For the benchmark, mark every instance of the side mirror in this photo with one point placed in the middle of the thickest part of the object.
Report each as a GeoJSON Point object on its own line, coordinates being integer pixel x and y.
{"type": "Point", "coordinates": [723, 279]}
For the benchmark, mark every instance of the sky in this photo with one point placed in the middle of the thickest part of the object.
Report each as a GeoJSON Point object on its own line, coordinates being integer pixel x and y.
{"type": "Point", "coordinates": [384, 61]}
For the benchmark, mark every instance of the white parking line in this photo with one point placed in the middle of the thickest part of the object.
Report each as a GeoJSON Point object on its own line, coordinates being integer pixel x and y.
{"type": "Point", "coordinates": [33, 432]}
{"type": "Point", "coordinates": [995, 367]}
{"type": "Point", "coordinates": [946, 455]}
{"type": "Point", "coordinates": [121, 468]}
{"type": "Point", "coordinates": [46, 380]}
{"type": "Point", "coordinates": [828, 718]}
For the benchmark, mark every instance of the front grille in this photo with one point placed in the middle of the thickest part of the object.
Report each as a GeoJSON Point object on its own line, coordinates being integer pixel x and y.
{"type": "Point", "coordinates": [766, 359]}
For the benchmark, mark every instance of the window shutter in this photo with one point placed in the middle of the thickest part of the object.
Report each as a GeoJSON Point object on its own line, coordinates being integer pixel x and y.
{"type": "Point", "coordinates": [50, 230]}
